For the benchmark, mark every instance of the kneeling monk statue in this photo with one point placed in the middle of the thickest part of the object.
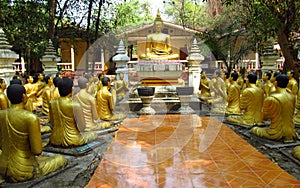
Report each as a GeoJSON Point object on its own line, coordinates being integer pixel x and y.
{"type": "Point", "coordinates": [67, 119]}
{"type": "Point", "coordinates": [279, 108]}
{"type": "Point", "coordinates": [105, 103]}
{"type": "Point", "coordinates": [21, 142]}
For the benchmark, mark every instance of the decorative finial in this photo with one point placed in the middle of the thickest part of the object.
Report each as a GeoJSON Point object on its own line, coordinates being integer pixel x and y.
{"type": "Point", "coordinates": [158, 18]}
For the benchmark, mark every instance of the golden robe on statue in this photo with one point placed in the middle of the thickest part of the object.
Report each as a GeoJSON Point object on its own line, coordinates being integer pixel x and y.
{"type": "Point", "coordinates": [21, 143]}
{"type": "Point", "coordinates": [279, 108]}
{"type": "Point", "coordinates": [233, 99]}
{"type": "Point", "coordinates": [68, 120]}
{"type": "Point", "coordinates": [251, 102]}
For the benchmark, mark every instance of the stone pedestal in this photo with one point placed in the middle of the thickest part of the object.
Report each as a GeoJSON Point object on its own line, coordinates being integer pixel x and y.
{"type": "Point", "coordinates": [194, 59]}
{"type": "Point", "coordinates": [7, 58]}
{"type": "Point", "coordinates": [50, 59]}
{"type": "Point", "coordinates": [146, 94]}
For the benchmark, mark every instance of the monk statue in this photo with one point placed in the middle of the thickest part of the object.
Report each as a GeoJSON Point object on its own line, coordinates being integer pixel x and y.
{"type": "Point", "coordinates": [217, 86]}
{"type": "Point", "coordinates": [226, 76]}
{"type": "Point", "coordinates": [105, 103]}
{"type": "Point", "coordinates": [67, 119]}
{"type": "Point", "coordinates": [121, 87]}
{"type": "Point", "coordinates": [91, 86]}
{"type": "Point", "coordinates": [55, 93]}
{"type": "Point", "coordinates": [30, 93]}
{"type": "Point", "coordinates": [158, 44]}
{"type": "Point", "coordinates": [267, 87]}
{"type": "Point", "coordinates": [233, 97]}
{"type": "Point", "coordinates": [273, 80]}
{"type": "Point", "coordinates": [292, 87]}
{"type": "Point", "coordinates": [297, 109]}
{"type": "Point", "coordinates": [88, 105]}
{"type": "Point", "coordinates": [4, 102]}
{"type": "Point", "coordinates": [251, 103]}
{"type": "Point", "coordinates": [46, 96]}
{"type": "Point", "coordinates": [39, 84]}
{"type": "Point", "coordinates": [279, 109]}
{"type": "Point", "coordinates": [204, 87]}
{"type": "Point", "coordinates": [240, 80]}
{"type": "Point", "coordinates": [21, 142]}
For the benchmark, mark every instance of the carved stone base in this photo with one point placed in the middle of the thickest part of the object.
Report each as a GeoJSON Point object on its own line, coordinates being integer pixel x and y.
{"type": "Point", "coordinates": [146, 109]}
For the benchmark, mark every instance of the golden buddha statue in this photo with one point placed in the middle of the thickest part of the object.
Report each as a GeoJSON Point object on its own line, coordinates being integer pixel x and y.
{"type": "Point", "coordinates": [46, 96]}
{"type": "Point", "coordinates": [279, 108]}
{"type": "Point", "coordinates": [297, 109]}
{"type": "Point", "coordinates": [40, 84]}
{"type": "Point", "coordinates": [292, 87]}
{"type": "Point", "coordinates": [251, 103]}
{"type": "Point", "coordinates": [105, 103]}
{"type": "Point", "coordinates": [267, 87]}
{"type": "Point", "coordinates": [121, 87]}
{"type": "Point", "coordinates": [226, 76]}
{"type": "Point", "coordinates": [55, 93]}
{"type": "Point", "coordinates": [99, 85]}
{"type": "Point", "coordinates": [204, 87]}
{"type": "Point", "coordinates": [91, 86]}
{"type": "Point", "coordinates": [158, 44]}
{"type": "Point", "coordinates": [233, 97]}
{"type": "Point", "coordinates": [30, 93]}
{"type": "Point", "coordinates": [4, 102]}
{"type": "Point", "coordinates": [88, 105]}
{"type": "Point", "coordinates": [67, 119]}
{"type": "Point", "coordinates": [217, 86]}
{"type": "Point", "coordinates": [240, 80]}
{"type": "Point", "coordinates": [21, 142]}
{"type": "Point", "coordinates": [273, 80]}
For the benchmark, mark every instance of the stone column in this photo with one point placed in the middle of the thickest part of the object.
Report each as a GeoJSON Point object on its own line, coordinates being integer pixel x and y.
{"type": "Point", "coordinates": [121, 60]}
{"type": "Point", "coordinates": [269, 57]}
{"type": "Point", "coordinates": [7, 58]}
{"type": "Point", "coordinates": [50, 59]}
{"type": "Point", "coordinates": [194, 59]}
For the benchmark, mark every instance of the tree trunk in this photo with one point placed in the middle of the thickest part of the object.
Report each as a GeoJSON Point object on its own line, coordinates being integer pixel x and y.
{"type": "Point", "coordinates": [88, 35]}
{"type": "Point", "coordinates": [290, 62]}
{"type": "Point", "coordinates": [52, 9]}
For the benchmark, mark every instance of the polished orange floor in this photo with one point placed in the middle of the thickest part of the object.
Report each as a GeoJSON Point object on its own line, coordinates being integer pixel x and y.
{"type": "Point", "coordinates": [184, 151]}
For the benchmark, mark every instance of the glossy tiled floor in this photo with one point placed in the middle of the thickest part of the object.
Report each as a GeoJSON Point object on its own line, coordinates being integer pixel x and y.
{"type": "Point", "coordinates": [184, 151]}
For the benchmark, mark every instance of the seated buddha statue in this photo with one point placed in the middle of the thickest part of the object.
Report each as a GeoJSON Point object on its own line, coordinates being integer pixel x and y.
{"type": "Point", "coordinates": [233, 97]}
{"type": "Point", "coordinates": [158, 44]}
{"type": "Point", "coordinates": [267, 87]}
{"type": "Point", "coordinates": [67, 119]}
{"type": "Point", "coordinates": [121, 87]}
{"type": "Point", "coordinates": [88, 105]}
{"type": "Point", "coordinates": [279, 109]}
{"type": "Point", "coordinates": [30, 93]}
{"type": "Point", "coordinates": [55, 93]}
{"type": "Point", "coordinates": [251, 102]}
{"type": "Point", "coordinates": [46, 96]}
{"type": "Point", "coordinates": [240, 80]}
{"type": "Point", "coordinates": [217, 86]}
{"type": "Point", "coordinates": [226, 76]}
{"type": "Point", "coordinates": [292, 87]}
{"type": "Point", "coordinates": [21, 142]}
{"type": "Point", "coordinates": [4, 102]}
{"type": "Point", "coordinates": [39, 86]}
{"type": "Point", "coordinates": [204, 87]}
{"type": "Point", "coordinates": [105, 103]}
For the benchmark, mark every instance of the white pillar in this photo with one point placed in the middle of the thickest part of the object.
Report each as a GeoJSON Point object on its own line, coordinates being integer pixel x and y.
{"type": "Point", "coordinates": [72, 58]}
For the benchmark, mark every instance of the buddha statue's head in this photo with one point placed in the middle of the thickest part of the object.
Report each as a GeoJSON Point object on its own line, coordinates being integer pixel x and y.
{"type": "Point", "coordinates": [40, 77]}
{"type": "Point", "coordinates": [290, 74]}
{"type": "Point", "coordinates": [16, 93]}
{"type": "Point", "coordinates": [2, 84]}
{"type": "Point", "coordinates": [234, 76]}
{"type": "Point", "coordinates": [267, 76]}
{"type": "Point", "coordinates": [121, 76]}
{"type": "Point", "coordinates": [282, 80]}
{"type": "Point", "coordinates": [251, 79]}
{"type": "Point", "coordinates": [65, 87]}
{"type": "Point", "coordinates": [56, 80]}
{"type": "Point", "coordinates": [217, 73]}
{"type": "Point", "coordinates": [29, 79]}
{"type": "Point", "coordinates": [82, 83]}
{"type": "Point", "coordinates": [158, 23]}
{"type": "Point", "coordinates": [106, 81]}
{"type": "Point", "coordinates": [49, 79]}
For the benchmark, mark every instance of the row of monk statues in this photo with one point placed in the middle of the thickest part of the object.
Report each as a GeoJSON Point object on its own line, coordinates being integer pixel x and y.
{"type": "Point", "coordinates": [72, 118]}
{"type": "Point", "coordinates": [250, 102]}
